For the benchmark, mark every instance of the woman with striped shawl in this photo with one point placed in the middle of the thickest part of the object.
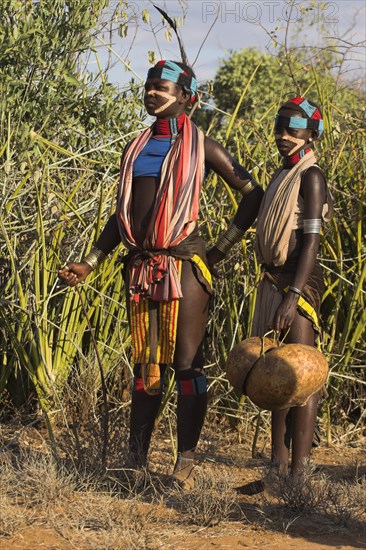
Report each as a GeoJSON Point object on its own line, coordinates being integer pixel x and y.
{"type": "Point", "coordinates": [168, 279]}
{"type": "Point", "coordinates": [291, 289]}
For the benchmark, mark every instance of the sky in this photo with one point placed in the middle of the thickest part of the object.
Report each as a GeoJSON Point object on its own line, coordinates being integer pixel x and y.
{"type": "Point", "coordinates": [231, 25]}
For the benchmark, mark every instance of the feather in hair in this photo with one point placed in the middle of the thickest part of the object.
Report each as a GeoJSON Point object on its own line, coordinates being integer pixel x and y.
{"type": "Point", "coordinates": [174, 27]}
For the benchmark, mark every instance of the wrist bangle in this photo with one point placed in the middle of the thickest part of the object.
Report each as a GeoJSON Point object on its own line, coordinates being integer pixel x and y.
{"type": "Point", "coordinates": [248, 188]}
{"type": "Point", "coordinates": [295, 290]}
{"type": "Point", "coordinates": [94, 258]}
{"type": "Point", "coordinates": [231, 236]}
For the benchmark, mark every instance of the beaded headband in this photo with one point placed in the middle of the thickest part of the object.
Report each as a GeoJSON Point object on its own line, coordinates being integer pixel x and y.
{"type": "Point", "coordinates": [313, 120]}
{"type": "Point", "coordinates": [301, 123]}
{"type": "Point", "coordinates": [168, 70]}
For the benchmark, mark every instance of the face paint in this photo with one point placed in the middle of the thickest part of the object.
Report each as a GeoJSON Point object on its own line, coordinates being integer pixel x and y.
{"type": "Point", "coordinates": [297, 141]}
{"type": "Point", "coordinates": [171, 99]}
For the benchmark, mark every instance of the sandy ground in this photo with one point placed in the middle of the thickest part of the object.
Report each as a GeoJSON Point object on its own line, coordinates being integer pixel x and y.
{"type": "Point", "coordinates": [259, 521]}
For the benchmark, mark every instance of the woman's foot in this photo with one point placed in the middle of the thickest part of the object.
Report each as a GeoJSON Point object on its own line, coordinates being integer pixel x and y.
{"type": "Point", "coordinates": [183, 472]}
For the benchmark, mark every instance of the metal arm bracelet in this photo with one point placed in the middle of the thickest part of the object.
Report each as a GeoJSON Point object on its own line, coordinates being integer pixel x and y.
{"type": "Point", "coordinates": [312, 225]}
{"type": "Point", "coordinates": [248, 187]}
{"type": "Point", "coordinates": [231, 236]}
{"type": "Point", "coordinates": [94, 257]}
{"type": "Point", "coordinates": [295, 290]}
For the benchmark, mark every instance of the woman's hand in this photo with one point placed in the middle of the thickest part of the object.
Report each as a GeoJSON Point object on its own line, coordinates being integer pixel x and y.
{"type": "Point", "coordinates": [285, 313]}
{"type": "Point", "coordinates": [213, 257]}
{"type": "Point", "coordinates": [74, 273]}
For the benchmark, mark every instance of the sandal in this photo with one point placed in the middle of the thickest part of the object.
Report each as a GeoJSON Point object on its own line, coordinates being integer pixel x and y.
{"type": "Point", "coordinates": [183, 473]}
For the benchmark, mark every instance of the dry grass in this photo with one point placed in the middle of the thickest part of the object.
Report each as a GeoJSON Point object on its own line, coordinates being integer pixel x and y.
{"type": "Point", "coordinates": [37, 491]}
{"type": "Point", "coordinates": [346, 502]}
{"type": "Point", "coordinates": [11, 517]}
{"type": "Point", "coordinates": [210, 502]}
{"type": "Point", "coordinates": [103, 522]}
{"type": "Point", "coordinates": [125, 508]}
{"type": "Point", "coordinates": [341, 502]}
{"type": "Point", "coordinates": [40, 481]}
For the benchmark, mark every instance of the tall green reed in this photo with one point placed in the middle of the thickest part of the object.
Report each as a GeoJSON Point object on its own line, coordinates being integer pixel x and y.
{"type": "Point", "coordinates": [58, 194]}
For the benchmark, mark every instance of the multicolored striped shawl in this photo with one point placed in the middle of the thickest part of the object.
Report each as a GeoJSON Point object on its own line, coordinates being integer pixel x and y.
{"type": "Point", "coordinates": [154, 273]}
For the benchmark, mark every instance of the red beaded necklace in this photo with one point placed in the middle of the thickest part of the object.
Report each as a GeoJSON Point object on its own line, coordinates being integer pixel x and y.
{"type": "Point", "coordinates": [294, 159]}
{"type": "Point", "coordinates": [167, 127]}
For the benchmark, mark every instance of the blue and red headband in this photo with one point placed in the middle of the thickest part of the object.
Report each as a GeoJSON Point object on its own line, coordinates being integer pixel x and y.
{"type": "Point", "coordinates": [168, 70]}
{"type": "Point", "coordinates": [312, 120]}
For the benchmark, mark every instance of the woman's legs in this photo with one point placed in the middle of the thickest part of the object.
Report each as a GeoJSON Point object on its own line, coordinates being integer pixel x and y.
{"type": "Point", "coordinates": [296, 424]}
{"type": "Point", "coordinates": [281, 439]}
{"type": "Point", "coordinates": [191, 382]}
{"type": "Point", "coordinates": [144, 409]}
{"type": "Point", "coordinates": [303, 425]}
{"type": "Point", "coordinates": [188, 364]}
{"type": "Point", "coordinates": [293, 426]}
